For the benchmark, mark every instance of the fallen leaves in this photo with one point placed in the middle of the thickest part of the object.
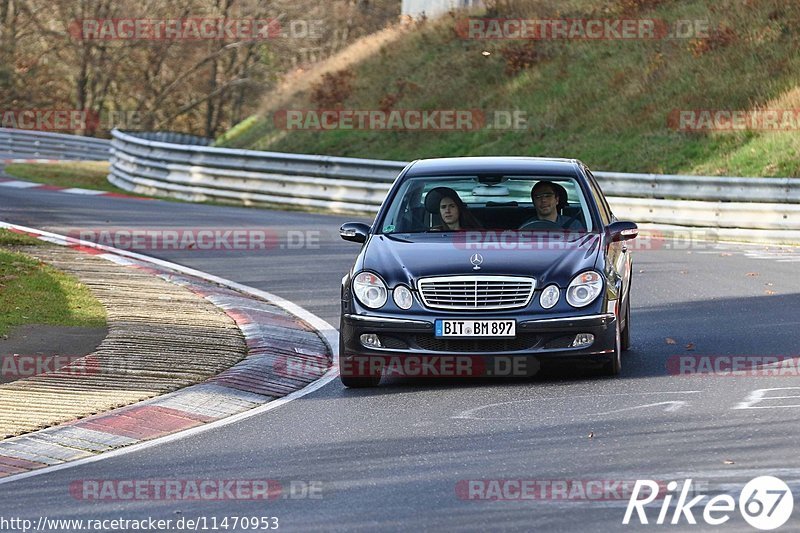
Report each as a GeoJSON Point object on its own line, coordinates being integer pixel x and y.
{"type": "Point", "coordinates": [690, 346]}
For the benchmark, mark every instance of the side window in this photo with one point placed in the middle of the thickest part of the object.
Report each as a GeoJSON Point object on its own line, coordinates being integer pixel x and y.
{"type": "Point", "coordinates": [602, 205]}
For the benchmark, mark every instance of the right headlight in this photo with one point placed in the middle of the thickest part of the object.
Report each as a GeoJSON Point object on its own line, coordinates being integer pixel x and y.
{"type": "Point", "coordinates": [402, 297]}
{"type": "Point", "coordinates": [370, 290]}
{"type": "Point", "coordinates": [584, 289]}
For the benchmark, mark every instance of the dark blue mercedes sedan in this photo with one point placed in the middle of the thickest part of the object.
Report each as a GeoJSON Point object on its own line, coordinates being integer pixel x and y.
{"type": "Point", "coordinates": [485, 259]}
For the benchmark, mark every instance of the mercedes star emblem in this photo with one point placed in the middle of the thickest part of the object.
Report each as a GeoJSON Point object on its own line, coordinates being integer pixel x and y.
{"type": "Point", "coordinates": [476, 261]}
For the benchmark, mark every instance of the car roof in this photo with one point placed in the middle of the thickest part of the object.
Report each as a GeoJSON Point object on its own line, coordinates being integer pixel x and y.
{"type": "Point", "coordinates": [494, 165]}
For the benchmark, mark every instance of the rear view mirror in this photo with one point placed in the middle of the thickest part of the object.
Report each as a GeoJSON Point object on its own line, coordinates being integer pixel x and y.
{"type": "Point", "coordinates": [622, 231]}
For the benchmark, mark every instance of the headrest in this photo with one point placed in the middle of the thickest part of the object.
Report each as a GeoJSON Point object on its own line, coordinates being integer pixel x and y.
{"type": "Point", "coordinates": [435, 196]}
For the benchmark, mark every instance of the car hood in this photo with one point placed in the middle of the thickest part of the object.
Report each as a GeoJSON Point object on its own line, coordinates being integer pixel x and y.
{"type": "Point", "coordinates": [404, 258]}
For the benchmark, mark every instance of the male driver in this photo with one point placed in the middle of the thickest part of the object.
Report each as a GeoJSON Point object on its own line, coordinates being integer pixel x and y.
{"type": "Point", "coordinates": [548, 198]}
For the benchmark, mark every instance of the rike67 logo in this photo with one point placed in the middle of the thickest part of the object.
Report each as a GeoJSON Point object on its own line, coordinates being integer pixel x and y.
{"type": "Point", "coordinates": [766, 503]}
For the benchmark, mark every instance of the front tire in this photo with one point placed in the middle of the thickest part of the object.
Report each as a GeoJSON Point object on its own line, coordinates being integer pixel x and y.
{"type": "Point", "coordinates": [614, 366]}
{"type": "Point", "coordinates": [626, 332]}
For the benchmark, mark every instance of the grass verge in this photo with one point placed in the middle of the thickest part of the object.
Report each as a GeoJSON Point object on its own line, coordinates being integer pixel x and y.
{"type": "Point", "coordinates": [608, 102]}
{"type": "Point", "coordinates": [32, 292]}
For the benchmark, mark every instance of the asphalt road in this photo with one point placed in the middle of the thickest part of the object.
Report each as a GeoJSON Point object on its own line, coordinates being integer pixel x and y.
{"type": "Point", "coordinates": [397, 457]}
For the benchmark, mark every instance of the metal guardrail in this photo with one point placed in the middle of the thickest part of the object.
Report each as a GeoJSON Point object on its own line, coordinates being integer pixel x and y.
{"type": "Point", "coordinates": [29, 144]}
{"type": "Point", "coordinates": [145, 164]}
{"type": "Point", "coordinates": [200, 173]}
{"type": "Point", "coordinates": [705, 188]}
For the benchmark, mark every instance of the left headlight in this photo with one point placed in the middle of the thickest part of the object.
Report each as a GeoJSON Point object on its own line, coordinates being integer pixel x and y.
{"type": "Point", "coordinates": [584, 289]}
{"type": "Point", "coordinates": [549, 296]}
{"type": "Point", "coordinates": [370, 290]}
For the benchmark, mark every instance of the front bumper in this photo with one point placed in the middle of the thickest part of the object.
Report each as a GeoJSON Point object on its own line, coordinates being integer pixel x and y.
{"type": "Point", "coordinates": [543, 338]}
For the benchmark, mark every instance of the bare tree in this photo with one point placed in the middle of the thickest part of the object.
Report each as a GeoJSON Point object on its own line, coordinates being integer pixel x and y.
{"type": "Point", "coordinates": [198, 86]}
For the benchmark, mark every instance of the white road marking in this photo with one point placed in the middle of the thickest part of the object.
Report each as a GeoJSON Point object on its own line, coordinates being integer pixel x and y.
{"type": "Point", "coordinates": [779, 254]}
{"type": "Point", "coordinates": [672, 406]}
{"type": "Point", "coordinates": [758, 396]}
{"type": "Point", "coordinates": [471, 414]}
{"type": "Point", "coordinates": [19, 184]}
{"type": "Point", "coordinates": [88, 192]}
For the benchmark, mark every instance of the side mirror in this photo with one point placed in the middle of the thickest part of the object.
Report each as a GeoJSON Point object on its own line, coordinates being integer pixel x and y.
{"type": "Point", "coordinates": [354, 232]}
{"type": "Point", "coordinates": [622, 231]}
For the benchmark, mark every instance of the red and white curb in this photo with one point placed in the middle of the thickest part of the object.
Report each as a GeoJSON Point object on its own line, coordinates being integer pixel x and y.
{"type": "Point", "coordinates": [20, 184]}
{"type": "Point", "coordinates": [287, 359]}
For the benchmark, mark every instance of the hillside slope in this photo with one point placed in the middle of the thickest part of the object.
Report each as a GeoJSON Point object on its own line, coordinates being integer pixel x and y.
{"type": "Point", "coordinates": [614, 103]}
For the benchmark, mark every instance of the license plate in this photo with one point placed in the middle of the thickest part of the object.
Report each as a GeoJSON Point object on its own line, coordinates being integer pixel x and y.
{"type": "Point", "coordinates": [476, 328]}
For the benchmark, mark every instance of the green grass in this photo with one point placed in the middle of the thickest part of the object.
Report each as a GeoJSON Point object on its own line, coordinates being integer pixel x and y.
{"type": "Point", "coordinates": [605, 102]}
{"type": "Point", "coordinates": [12, 238]}
{"type": "Point", "coordinates": [34, 293]}
{"type": "Point", "coordinates": [79, 174]}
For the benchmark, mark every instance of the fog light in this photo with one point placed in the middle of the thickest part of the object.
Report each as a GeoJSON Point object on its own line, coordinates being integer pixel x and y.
{"type": "Point", "coordinates": [581, 340]}
{"type": "Point", "coordinates": [370, 340]}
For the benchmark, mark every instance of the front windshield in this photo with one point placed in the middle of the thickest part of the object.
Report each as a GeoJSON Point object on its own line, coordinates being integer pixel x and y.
{"type": "Point", "coordinates": [427, 204]}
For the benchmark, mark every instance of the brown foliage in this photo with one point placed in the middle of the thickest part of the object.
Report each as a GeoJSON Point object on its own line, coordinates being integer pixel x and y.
{"type": "Point", "coordinates": [333, 89]}
{"type": "Point", "coordinates": [519, 56]}
{"type": "Point", "coordinates": [634, 6]}
{"type": "Point", "coordinates": [717, 38]}
{"type": "Point", "coordinates": [389, 100]}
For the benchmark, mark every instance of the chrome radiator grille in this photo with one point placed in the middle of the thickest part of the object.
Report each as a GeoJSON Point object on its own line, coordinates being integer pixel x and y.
{"type": "Point", "coordinates": [476, 292]}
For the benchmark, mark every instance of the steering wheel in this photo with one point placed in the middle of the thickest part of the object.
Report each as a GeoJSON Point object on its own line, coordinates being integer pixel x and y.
{"type": "Point", "coordinates": [540, 224]}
